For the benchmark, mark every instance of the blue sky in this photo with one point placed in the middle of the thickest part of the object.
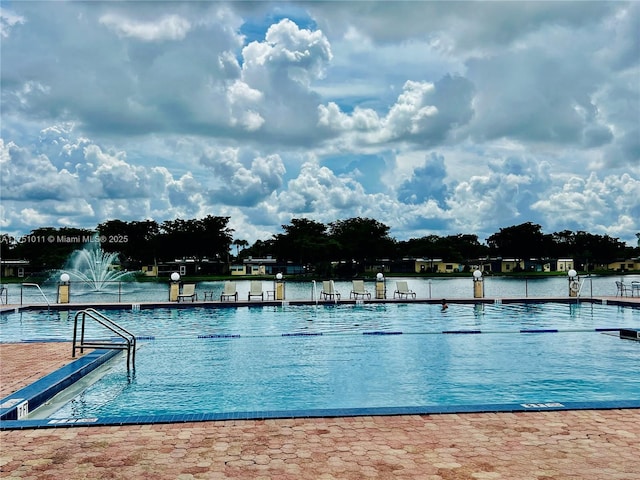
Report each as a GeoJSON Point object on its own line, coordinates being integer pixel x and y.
{"type": "Point", "coordinates": [431, 117]}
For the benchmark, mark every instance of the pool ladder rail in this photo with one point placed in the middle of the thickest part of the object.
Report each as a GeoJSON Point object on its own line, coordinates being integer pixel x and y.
{"type": "Point", "coordinates": [128, 343]}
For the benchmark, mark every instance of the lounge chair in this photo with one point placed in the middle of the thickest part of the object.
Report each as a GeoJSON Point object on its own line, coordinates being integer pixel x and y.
{"type": "Point", "coordinates": [256, 289]}
{"type": "Point", "coordinates": [358, 290]}
{"type": "Point", "coordinates": [329, 291]}
{"type": "Point", "coordinates": [188, 291]}
{"type": "Point", "coordinates": [229, 291]}
{"type": "Point", "coordinates": [402, 290]}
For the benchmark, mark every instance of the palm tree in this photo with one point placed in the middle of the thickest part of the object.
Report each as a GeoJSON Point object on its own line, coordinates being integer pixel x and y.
{"type": "Point", "coordinates": [238, 244]}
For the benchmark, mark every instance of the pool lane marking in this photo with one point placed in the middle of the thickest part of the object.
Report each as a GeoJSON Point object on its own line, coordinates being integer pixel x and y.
{"type": "Point", "coordinates": [393, 332]}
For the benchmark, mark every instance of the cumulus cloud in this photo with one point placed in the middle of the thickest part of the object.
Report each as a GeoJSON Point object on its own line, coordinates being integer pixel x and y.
{"type": "Point", "coordinates": [8, 20]}
{"type": "Point", "coordinates": [274, 92]}
{"type": "Point", "coordinates": [167, 27]}
{"type": "Point", "coordinates": [239, 185]}
{"type": "Point", "coordinates": [483, 203]}
{"type": "Point", "coordinates": [297, 54]}
{"type": "Point", "coordinates": [427, 182]}
{"type": "Point", "coordinates": [608, 204]}
{"type": "Point", "coordinates": [431, 117]}
{"type": "Point", "coordinates": [424, 113]}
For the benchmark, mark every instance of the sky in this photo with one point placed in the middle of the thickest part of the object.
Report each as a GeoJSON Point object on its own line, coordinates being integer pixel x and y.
{"type": "Point", "coordinates": [434, 118]}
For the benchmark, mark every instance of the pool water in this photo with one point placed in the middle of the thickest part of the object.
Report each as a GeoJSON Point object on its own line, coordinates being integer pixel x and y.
{"type": "Point", "coordinates": [257, 359]}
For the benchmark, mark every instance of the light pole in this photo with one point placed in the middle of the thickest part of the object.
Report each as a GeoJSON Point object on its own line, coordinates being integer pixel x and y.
{"type": "Point", "coordinates": [174, 288]}
{"type": "Point", "coordinates": [279, 288]}
{"type": "Point", "coordinates": [478, 284]}
{"type": "Point", "coordinates": [574, 283]}
{"type": "Point", "coordinates": [63, 288]}
{"type": "Point", "coordinates": [381, 289]}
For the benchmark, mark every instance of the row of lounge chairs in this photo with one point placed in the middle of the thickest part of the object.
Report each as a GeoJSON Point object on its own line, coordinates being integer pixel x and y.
{"type": "Point", "coordinates": [229, 291]}
{"type": "Point", "coordinates": [358, 290]}
{"type": "Point", "coordinates": [328, 292]}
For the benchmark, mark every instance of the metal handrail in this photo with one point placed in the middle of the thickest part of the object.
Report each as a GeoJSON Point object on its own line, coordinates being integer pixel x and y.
{"type": "Point", "coordinates": [38, 287]}
{"type": "Point", "coordinates": [93, 314]}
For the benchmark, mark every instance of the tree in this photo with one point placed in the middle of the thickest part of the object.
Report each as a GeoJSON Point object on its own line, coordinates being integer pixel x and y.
{"type": "Point", "coordinates": [260, 248]}
{"type": "Point", "coordinates": [135, 241]}
{"type": "Point", "coordinates": [563, 243]}
{"type": "Point", "coordinates": [209, 237]}
{"type": "Point", "coordinates": [463, 247]}
{"type": "Point", "coordinates": [49, 248]}
{"type": "Point", "coordinates": [359, 239]}
{"type": "Point", "coordinates": [522, 242]}
{"type": "Point", "coordinates": [306, 242]}
{"type": "Point", "coordinates": [592, 249]}
{"type": "Point", "coordinates": [240, 243]}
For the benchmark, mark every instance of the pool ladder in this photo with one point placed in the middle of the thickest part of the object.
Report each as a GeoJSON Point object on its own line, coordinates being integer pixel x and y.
{"type": "Point", "coordinates": [129, 343]}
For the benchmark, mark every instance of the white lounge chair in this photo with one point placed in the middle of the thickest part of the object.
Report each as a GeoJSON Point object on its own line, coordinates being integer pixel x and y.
{"type": "Point", "coordinates": [256, 289]}
{"type": "Point", "coordinates": [188, 291]}
{"type": "Point", "coordinates": [402, 290]}
{"type": "Point", "coordinates": [229, 291]}
{"type": "Point", "coordinates": [329, 291]}
{"type": "Point", "coordinates": [358, 290]}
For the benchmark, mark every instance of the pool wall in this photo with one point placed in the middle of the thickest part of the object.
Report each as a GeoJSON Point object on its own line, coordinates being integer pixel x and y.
{"type": "Point", "coordinates": [618, 301]}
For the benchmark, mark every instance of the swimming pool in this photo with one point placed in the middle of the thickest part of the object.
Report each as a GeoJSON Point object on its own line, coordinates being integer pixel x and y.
{"type": "Point", "coordinates": [367, 356]}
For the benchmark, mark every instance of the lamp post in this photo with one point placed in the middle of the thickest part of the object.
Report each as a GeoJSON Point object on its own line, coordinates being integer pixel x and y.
{"type": "Point", "coordinates": [478, 284]}
{"type": "Point", "coordinates": [279, 288]}
{"type": "Point", "coordinates": [381, 289]}
{"type": "Point", "coordinates": [63, 288]}
{"type": "Point", "coordinates": [174, 288]}
{"type": "Point", "coordinates": [574, 283]}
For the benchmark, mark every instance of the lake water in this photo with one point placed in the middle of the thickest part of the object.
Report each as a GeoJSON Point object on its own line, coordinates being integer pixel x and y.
{"type": "Point", "coordinates": [450, 288]}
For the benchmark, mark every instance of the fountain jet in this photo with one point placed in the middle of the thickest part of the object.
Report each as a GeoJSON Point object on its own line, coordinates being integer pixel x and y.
{"type": "Point", "coordinates": [94, 267]}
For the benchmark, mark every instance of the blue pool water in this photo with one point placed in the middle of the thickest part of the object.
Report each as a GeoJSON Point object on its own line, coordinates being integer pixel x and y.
{"type": "Point", "coordinates": [208, 360]}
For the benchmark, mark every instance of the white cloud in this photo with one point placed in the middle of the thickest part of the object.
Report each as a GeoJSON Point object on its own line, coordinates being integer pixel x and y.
{"type": "Point", "coordinates": [609, 205]}
{"type": "Point", "coordinates": [424, 113]}
{"type": "Point", "coordinates": [433, 117]}
{"type": "Point", "coordinates": [302, 54]}
{"type": "Point", "coordinates": [168, 27]}
{"type": "Point", "coordinates": [8, 20]}
{"type": "Point", "coordinates": [235, 184]}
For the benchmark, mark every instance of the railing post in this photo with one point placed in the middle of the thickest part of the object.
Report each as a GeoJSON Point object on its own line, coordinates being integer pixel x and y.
{"type": "Point", "coordinates": [75, 336]}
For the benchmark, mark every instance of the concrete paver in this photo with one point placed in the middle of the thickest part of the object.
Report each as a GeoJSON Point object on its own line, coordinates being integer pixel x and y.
{"type": "Point", "coordinates": [558, 445]}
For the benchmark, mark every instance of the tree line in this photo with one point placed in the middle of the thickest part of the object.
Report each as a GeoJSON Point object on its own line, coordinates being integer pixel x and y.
{"type": "Point", "coordinates": [349, 244]}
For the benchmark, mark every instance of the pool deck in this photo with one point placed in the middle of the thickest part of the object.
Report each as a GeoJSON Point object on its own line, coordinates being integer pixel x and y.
{"type": "Point", "coordinates": [609, 300]}
{"type": "Point", "coordinates": [541, 445]}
